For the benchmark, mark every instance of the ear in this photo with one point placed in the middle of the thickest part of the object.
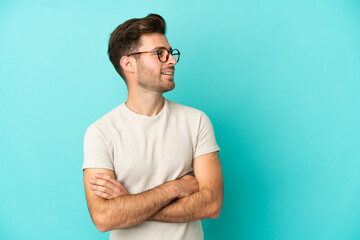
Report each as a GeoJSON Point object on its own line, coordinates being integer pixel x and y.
{"type": "Point", "coordinates": [128, 64]}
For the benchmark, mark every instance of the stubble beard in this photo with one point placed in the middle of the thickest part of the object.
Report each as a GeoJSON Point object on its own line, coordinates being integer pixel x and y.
{"type": "Point", "coordinates": [151, 80]}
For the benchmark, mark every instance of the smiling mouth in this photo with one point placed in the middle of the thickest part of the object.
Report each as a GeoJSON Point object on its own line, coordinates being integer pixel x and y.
{"type": "Point", "coordinates": [168, 73]}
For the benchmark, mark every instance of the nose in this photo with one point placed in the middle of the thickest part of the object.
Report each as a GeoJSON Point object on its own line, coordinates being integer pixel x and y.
{"type": "Point", "coordinates": [171, 60]}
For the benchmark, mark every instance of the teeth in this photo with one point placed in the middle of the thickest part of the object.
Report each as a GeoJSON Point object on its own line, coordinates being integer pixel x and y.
{"type": "Point", "coordinates": [167, 73]}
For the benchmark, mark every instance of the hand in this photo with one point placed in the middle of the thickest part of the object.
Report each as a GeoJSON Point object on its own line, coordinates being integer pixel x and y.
{"type": "Point", "coordinates": [107, 187]}
{"type": "Point", "coordinates": [187, 185]}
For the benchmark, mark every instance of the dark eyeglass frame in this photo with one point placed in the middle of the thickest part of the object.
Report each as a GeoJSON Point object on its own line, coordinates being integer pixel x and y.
{"type": "Point", "coordinates": [157, 51]}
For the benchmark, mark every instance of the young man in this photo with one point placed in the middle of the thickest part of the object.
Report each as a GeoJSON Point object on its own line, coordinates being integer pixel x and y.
{"type": "Point", "coordinates": [151, 166]}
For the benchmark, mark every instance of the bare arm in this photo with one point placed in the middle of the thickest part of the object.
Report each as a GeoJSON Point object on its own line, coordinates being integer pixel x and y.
{"type": "Point", "coordinates": [200, 205]}
{"type": "Point", "coordinates": [203, 204]}
{"type": "Point", "coordinates": [129, 210]}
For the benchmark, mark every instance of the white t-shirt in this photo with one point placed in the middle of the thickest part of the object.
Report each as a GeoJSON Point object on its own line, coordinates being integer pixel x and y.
{"type": "Point", "coordinates": [145, 152]}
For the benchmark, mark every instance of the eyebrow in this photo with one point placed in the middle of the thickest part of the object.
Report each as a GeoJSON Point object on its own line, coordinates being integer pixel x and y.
{"type": "Point", "coordinates": [155, 48]}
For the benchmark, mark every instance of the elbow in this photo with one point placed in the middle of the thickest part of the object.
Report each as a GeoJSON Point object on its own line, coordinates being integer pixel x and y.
{"type": "Point", "coordinates": [101, 228]}
{"type": "Point", "coordinates": [101, 223]}
{"type": "Point", "coordinates": [215, 209]}
{"type": "Point", "coordinates": [215, 213]}
{"type": "Point", "coordinates": [214, 205]}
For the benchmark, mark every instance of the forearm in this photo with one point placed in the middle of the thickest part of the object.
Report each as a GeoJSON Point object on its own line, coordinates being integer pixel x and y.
{"type": "Point", "coordinates": [201, 205]}
{"type": "Point", "coordinates": [130, 210]}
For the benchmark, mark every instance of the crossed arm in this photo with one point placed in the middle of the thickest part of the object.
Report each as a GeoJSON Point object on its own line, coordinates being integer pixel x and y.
{"type": "Point", "coordinates": [186, 199]}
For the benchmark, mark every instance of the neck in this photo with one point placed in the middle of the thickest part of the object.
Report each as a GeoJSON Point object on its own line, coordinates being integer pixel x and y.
{"type": "Point", "coordinates": [145, 103]}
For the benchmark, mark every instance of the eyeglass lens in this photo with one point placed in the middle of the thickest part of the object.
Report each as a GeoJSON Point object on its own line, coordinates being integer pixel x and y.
{"type": "Point", "coordinates": [164, 54]}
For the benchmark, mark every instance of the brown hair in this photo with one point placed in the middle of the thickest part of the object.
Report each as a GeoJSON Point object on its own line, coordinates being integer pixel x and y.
{"type": "Point", "coordinates": [126, 37]}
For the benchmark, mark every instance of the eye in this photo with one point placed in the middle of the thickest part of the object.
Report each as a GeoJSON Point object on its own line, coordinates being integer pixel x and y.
{"type": "Point", "coordinates": [163, 52]}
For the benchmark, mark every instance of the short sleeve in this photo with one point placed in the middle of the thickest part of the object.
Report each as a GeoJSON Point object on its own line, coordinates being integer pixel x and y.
{"type": "Point", "coordinates": [206, 142]}
{"type": "Point", "coordinates": [96, 153]}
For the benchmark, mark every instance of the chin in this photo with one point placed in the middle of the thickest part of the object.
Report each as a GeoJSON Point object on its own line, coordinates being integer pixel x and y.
{"type": "Point", "coordinates": [164, 90]}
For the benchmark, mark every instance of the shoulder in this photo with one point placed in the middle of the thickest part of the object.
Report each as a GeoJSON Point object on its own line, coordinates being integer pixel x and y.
{"type": "Point", "coordinates": [185, 115]}
{"type": "Point", "coordinates": [177, 109]}
{"type": "Point", "coordinates": [108, 124]}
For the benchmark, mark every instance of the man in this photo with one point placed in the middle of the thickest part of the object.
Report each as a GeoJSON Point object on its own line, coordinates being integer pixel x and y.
{"type": "Point", "coordinates": [151, 166]}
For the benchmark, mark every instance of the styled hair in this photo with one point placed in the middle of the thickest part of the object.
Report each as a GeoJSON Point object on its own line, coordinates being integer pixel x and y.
{"type": "Point", "coordinates": [125, 39]}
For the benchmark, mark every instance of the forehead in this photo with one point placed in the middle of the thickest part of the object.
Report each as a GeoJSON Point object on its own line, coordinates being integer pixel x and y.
{"type": "Point", "coordinates": [153, 40]}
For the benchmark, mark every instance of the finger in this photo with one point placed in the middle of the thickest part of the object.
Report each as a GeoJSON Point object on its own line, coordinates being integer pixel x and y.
{"type": "Point", "coordinates": [115, 182]}
{"type": "Point", "coordinates": [103, 195]}
{"type": "Point", "coordinates": [99, 181]}
{"type": "Point", "coordinates": [116, 191]}
{"type": "Point", "coordinates": [102, 176]}
{"type": "Point", "coordinates": [103, 183]}
{"type": "Point", "coordinates": [111, 183]}
{"type": "Point", "coordinates": [108, 178]}
{"type": "Point", "coordinates": [103, 190]}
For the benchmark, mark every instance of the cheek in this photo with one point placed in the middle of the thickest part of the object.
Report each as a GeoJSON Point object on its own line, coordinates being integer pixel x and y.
{"type": "Point", "coordinates": [148, 66]}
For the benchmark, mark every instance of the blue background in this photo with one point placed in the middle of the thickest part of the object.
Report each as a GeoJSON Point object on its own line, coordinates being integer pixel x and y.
{"type": "Point", "coordinates": [278, 79]}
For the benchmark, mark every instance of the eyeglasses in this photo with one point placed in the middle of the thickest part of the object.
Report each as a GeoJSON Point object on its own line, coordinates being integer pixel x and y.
{"type": "Point", "coordinates": [163, 54]}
